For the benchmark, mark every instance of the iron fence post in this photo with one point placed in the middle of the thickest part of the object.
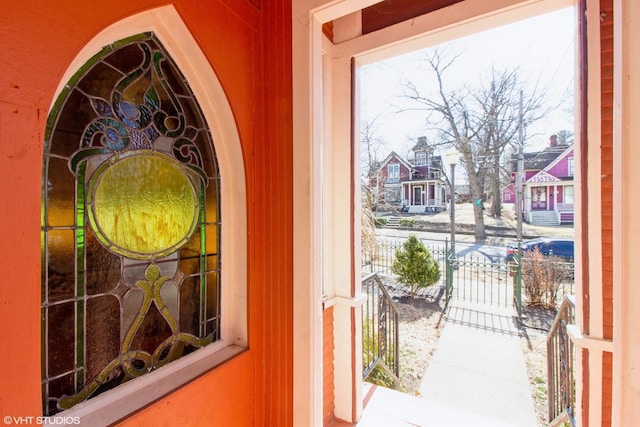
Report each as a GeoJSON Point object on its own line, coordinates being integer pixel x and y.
{"type": "Point", "coordinates": [519, 280]}
{"type": "Point", "coordinates": [448, 276]}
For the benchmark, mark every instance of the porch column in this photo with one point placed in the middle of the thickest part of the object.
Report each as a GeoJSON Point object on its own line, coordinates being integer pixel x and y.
{"type": "Point", "coordinates": [342, 197]}
{"type": "Point", "coordinates": [626, 217]}
{"type": "Point", "coordinates": [307, 289]}
{"type": "Point", "coordinates": [589, 274]}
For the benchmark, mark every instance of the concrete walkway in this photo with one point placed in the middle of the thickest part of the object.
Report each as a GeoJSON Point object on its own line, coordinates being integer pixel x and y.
{"type": "Point", "coordinates": [476, 378]}
{"type": "Point", "coordinates": [479, 367]}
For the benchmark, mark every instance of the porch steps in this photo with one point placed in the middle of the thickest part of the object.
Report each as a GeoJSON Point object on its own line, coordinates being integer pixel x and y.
{"type": "Point", "coordinates": [384, 408]}
{"type": "Point", "coordinates": [544, 218]}
{"type": "Point", "coordinates": [393, 222]}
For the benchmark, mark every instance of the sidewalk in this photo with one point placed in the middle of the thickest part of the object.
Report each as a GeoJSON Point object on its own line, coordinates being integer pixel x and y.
{"type": "Point", "coordinates": [479, 367]}
{"type": "Point", "coordinates": [476, 378]}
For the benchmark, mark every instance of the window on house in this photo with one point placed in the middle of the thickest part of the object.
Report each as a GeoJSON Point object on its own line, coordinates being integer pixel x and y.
{"type": "Point", "coordinates": [570, 170]}
{"type": "Point", "coordinates": [421, 159]}
{"type": "Point", "coordinates": [568, 195]}
{"type": "Point", "coordinates": [394, 171]}
{"type": "Point", "coordinates": [130, 225]}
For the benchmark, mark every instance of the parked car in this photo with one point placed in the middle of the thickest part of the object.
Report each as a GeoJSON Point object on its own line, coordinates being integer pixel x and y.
{"type": "Point", "coordinates": [560, 247]}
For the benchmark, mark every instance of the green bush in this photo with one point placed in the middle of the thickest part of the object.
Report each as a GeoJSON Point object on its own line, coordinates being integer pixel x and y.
{"type": "Point", "coordinates": [407, 222]}
{"type": "Point", "coordinates": [381, 222]}
{"type": "Point", "coordinates": [414, 265]}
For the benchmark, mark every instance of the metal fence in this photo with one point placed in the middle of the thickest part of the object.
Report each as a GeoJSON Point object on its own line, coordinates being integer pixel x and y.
{"type": "Point", "coordinates": [478, 279]}
{"type": "Point", "coordinates": [381, 258]}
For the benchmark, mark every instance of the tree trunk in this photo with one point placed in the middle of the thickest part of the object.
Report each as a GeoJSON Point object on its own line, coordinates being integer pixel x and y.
{"type": "Point", "coordinates": [476, 185]}
{"type": "Point", "coordinates": [496, 196]}
{"type": "Point", "coordinates": [478, 214]}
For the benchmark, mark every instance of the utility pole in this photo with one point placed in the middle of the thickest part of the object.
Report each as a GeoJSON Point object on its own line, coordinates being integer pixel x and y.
{"type": "Point", "coordinates": [519, 173]}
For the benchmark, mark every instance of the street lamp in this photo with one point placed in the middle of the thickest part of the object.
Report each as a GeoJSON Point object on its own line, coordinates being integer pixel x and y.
{"type": "Point", "coordinates": [452, 156]}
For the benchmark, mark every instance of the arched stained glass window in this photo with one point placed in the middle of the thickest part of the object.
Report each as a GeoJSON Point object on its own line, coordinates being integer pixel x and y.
{"type": "Point", "coordinates": [130, 224]}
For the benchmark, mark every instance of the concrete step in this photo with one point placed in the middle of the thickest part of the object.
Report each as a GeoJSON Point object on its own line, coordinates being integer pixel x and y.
{"type": "Point", "coordinates": [544, 218]}
{"type": "Point", "coordinates": [393, 222]}
{"type": "Point", "coordinates": [384, 407]}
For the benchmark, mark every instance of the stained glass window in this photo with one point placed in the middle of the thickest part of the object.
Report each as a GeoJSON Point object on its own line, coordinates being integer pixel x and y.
{"type": "Point", "coordinates": [130, 224]}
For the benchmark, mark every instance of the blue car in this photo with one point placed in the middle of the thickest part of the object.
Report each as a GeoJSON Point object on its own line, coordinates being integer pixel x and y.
{"type": "Point", "coordinates": [560, 247]}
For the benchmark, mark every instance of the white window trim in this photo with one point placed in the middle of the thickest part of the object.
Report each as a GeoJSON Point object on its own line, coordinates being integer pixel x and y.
{"type": "Point", "coordinates": [570, 166]}
{"type": "Point", "coordinates": [128, 398]}
{"type": "Point", "coordinates": [565, 193]}
{"type": "Point", "coordinates": [393, 171]}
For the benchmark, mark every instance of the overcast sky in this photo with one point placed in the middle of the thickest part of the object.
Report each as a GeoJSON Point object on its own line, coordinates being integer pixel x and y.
{"type": "Point", "coordinates": [542, 47]}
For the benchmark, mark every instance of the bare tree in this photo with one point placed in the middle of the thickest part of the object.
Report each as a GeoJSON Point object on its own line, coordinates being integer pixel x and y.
{"type": "Point", "coordinates": [565, 137]}
{"type": "Point", "coordinates": [370, 147]}
{"type": "Point", "coordinates": [481, 122]}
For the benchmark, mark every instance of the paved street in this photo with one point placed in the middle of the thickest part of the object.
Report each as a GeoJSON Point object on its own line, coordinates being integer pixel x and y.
{"type": "Point", "coordinates": [492, 251]}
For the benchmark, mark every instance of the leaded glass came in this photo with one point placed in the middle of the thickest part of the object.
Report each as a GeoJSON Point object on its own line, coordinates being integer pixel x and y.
{"type": "Point", "coordinates": [130, 224]}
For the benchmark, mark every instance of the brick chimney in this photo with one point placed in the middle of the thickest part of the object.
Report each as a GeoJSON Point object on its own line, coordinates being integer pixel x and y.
{"type": "Point", "coordinates": [553, 140]}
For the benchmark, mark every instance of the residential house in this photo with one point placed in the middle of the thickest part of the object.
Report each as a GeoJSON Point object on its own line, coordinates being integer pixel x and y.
{"type": "Point", "coordinates": [274, 83]}
{"type": "Point", "coordinates": [548, 185]}
{"type": "Point", "coordinates": [509, 193]}
{"type": "Point", "coordinates": [416, 185]}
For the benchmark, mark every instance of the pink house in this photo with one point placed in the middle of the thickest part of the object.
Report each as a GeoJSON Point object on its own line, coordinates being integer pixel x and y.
{"type": "Point", "coordinates": [509, 194]}
{"type": "Point", "coordinates": [548, 187]}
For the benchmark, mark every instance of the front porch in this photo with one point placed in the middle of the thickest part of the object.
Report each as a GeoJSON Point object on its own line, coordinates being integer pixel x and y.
{"type": "Point", "coordinates": [423, 196]}
{"type": "Point", "coordinates": [548, 203]}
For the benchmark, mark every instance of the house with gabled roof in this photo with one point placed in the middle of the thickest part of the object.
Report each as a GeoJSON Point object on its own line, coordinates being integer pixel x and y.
{"type": "Point", "coordinates": [548, 185]}
{"type": "Point", "coordinates": [415, 185]}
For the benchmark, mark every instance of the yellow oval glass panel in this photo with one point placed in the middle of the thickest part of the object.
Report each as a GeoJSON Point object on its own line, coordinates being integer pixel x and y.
{"type": "Point", "coordinates": [143, 205]}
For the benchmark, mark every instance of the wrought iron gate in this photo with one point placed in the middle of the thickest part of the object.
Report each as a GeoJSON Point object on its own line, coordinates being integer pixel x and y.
{"type": "Point", "coordinates": [480, 280]}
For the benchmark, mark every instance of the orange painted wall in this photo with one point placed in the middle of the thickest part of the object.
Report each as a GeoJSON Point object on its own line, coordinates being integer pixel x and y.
{"type": "Point", "coordinates": [606, 147]}
{"type": "Point", "coordinates": [249, 47]}
{"type": "Point", "coordinates": [328, 373]}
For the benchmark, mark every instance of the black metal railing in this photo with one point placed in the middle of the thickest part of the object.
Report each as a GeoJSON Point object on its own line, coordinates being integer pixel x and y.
{"type": "Point", "coordinates": [561, 393]}
{"type": "Point", "coordinates": [380, 260]}
{"type": "Point", "coordinates": [479, 279]}
{"type": "Point", "coordinates": [380, 333]}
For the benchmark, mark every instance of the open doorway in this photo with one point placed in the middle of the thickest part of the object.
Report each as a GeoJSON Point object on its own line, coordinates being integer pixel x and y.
{"type": "Point", "coordinates": [341, 58]}
{"type": "Point", "coordinates": [407, 105]}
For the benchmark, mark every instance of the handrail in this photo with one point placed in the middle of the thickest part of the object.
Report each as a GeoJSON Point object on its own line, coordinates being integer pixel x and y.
{"type": "Point", "coordinates": [560, 366]}
{"type": "Point", "coordinates": [380, 329]}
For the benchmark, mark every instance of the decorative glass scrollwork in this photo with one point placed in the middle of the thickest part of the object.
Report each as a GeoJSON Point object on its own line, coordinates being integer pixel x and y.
{"type": "Point", "coordinates": [145, 233]}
